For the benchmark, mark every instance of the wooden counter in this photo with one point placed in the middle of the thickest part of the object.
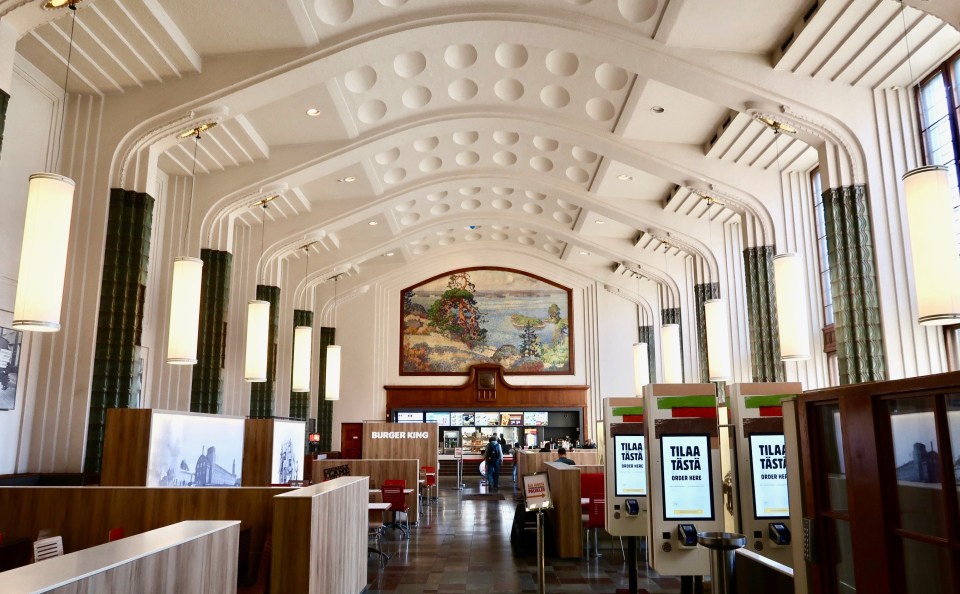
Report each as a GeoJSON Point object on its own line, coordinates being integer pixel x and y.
{"type": "Point", "coordinates": [566, 514]}
{"type": "Point", "coordinates": [532, 461]}
{"type": "Point", "coordinates": [379, 471]}
{"type": "Point", "coordinates": [187, 557]}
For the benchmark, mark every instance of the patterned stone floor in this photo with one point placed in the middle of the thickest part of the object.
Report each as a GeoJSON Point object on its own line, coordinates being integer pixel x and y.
{"type": "Point", "coordinates": [464, 546]}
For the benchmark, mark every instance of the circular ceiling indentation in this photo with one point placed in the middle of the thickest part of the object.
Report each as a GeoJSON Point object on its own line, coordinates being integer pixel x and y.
{"type": "Point", "coordinates": [463, 89]}
{"type": "Point", "coordinates": [506, 138]}
{"type": "Point", "coordinates": [419, 249]}
{"type": "Point", "coordinates": [409, 218]}
{"type": "Point", "coordinates": [578, 175]}
{"type": "Point", "coordinates": [395, 175]}
{"type": "Point", "coordinates": [535, 195]}
{"type": "Point", "coordinates": [553, 249]}
{"type": "Point", "coordinates": [499, 227]}
{"type": "Point", "coordinates": [504, 158]}
{"type": "Point", "coordinates": [465, 138]}
{"type": "Point", "coordinates": [525, 240]}
{"type": "Point", "coordinates": [471, 191]}
{"type": "Point", "coordinates": [510, 55]}
{"type": "Point", "coordinates": [430, 164]}
{"type": "Point", "coordinates": [554, 96]}
{"type": "Point", "coordinates": [445, 232]}
{"type": "Point", "coordinates": [470, 204]}
{"type": "Point", "coordinates": [508, 89]}
{"type": "Point", "coordinates": [416, 97]}
{"type": "Point", "coordinates": [409, 64]}
{"type": "Point", "coordinates": [446, 240]}
{"type": "Point", "coordinates": [460, 56]}
{"type": "Point", "coordinates": [583, 155]}
{"type": "Point", "coordinates": [502, 204]}
{"type": "Point", "coordinates": [541, 164]}
{"type": "Point", "coordinates": [600, 109]}
{"type": "Point", "coordinates": [533, 209]}
{"type": "Point", "coordinates": [637, 11]}
{"type": "Point", "coordinates": [610, 77]}
{"type": "Point", "coordinates": [544, 144]}
{"type": "Point", "coordinates": [334, 12]}
{"type": "Point", "coordinates": [437, 196]}
{"type": "Point", "coordinates": [439, 209]}
{"type": "Point", "coordinates": [578, 2]}
{"type": "Point", "coordinates": [405, 206]}
{"type": "Point", "coordinates": [562, 217]}
{"type": "Point", "coordinates": [393, 3]}
{"type": "Point", "coordinates": [425, 145]}
{"type": "Point", "coordinates": [500, 191]}
{"type": "Point", "coordinates": [388, 156]}
{"type": "Point", "coordinates": [472, 236]}
{"type": "Point", "coordinates": [566, 205]}
{"type": "Point", "coordinates": [562, 63]}
{"type": "Point", "coordinates": [360, 80]}
{"type": "Point", "coordinates": [466, 158]}
{"type": "Point", "coordinates": [499, 236]}
{"type": "Point", "coordinates": [371, 111]}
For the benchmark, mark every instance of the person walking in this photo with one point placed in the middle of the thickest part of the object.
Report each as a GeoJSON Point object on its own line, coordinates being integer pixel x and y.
{"type": "Point", "coordinates": [493, 456]}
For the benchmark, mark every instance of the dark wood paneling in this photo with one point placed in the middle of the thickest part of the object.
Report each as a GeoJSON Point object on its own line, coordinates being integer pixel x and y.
{"type": "Point", "coordinates": [257, 452]}
{"type": "Point", "coordinates": [378, 471]}
{"type": "Point", "coordinates": [424, 450]}
{"type": "Point", "coordinates": [126, 446]}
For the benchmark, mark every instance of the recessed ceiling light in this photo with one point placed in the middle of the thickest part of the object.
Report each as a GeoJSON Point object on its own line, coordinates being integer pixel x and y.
{"type": "Point", "coordinates": [348, 179]}
{"type": "Point", "coordinates": [471, 227]}
{"type": "Point", "coordinates": [583, 253]}
{"type": "Point", "coordinates": [388, 254]}
{"type": "Point", "coordinates": [625, 177]}
{"type": "Point", "coordinates": [657, 109]}
{"type": "Point", "coordinates": [313, 112]}
{"type": "Point", "coordinates": [372, 223]}
{"type": "Point", "coordinates": [599, 221]}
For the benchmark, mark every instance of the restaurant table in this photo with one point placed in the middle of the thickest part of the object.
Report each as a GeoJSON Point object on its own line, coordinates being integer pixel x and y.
{"type": "Point", "coordinates": [382, 508]}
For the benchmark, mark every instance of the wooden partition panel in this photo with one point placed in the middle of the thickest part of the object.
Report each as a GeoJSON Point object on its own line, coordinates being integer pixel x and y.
{"type": "Point", "coordinates": [320, 538]}
{"type": "Point", "coordinates": [402, 441]}
{"type": "Point", "coordinates": [566, 514]}
{"type": "Point", "coordinates": [83, 515]}
{"type": "Point", "coordinates": [195, 557]}
{"type": "Point", "coordinates": [257, 452]}
{"type": "Point", "coordinates": [379, 471]}
{"type": "Point", "coordinates": [126, 446]}
{"type": "Point", "coordinates": [534, 461]}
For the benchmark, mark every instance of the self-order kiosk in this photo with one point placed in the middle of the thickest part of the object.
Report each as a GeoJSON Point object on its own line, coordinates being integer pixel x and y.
{"type": "Point", "coordinates": [764, 511]}
{"type": "Point", "coordinates": [626, 469]}
{"type": "Point", "coordinates": [684, 479]}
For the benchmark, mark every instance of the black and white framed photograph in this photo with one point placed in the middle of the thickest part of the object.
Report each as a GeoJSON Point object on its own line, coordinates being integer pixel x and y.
{"type": "Point", "coordinates": [10, 342]}
{"type": "Point", "coordinates": [195, 450]}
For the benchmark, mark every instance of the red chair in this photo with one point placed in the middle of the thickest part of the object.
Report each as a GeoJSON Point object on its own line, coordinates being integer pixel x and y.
{"type": "Point", "coordinates": [262, 585]}
{"type": "Point", "coordinates": [596, 519]}
{"type": "Point", "coordinates": [395, 483]}
{"type": "Point", "coordinates": [591, 485]}
{"type": "Point", "coordinates": [393, 494]}
{"type": "Point", "coordinates": [115, 534]}
{"type": "Point", "coordinates": [430, 479]}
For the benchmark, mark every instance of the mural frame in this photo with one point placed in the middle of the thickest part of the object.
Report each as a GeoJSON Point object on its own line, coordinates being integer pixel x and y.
{"type": "Point", "coordinates": [570, 324]}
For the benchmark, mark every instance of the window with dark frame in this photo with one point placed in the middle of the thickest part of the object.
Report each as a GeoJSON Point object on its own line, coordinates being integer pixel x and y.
{"type": "Point", "coordinates": [826, 293]}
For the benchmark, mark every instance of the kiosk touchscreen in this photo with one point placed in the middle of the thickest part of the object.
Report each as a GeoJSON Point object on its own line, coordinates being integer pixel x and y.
{"type": "Point", "coordinates": [684, 482]}
{"type": "Point", "coordinates": [625, 462]}
{"type": "Point", "coordinates": [761, 467]}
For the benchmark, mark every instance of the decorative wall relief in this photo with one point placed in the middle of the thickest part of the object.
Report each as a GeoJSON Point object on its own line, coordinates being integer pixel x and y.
{"type": "Point", "coordinates": [486, 315]}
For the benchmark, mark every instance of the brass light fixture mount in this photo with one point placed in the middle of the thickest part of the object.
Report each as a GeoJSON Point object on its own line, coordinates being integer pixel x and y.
{"type": "Point", "coordinates": [265, 201]}
{"type": "Point", "coordinates": [776, 125]}
{"type": "Point", "coordinates": [58, 4]}
{"type": "Point", "coordinates": [197, 130]}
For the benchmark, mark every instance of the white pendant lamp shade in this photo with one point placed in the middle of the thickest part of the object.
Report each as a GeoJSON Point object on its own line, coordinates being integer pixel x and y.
{"type": "Point", "coordinates": [936, 264]}
{"type": "Point", "coordinates": [793, 320]}
{"type": "Point", "coordinates": [332, 391]}
{"type": "Point", "coordinates": [670, 352]}
{"type": "Point", "coordinates": [184, 311]}
{"type": "Point", "coordinates": [258, 330]}
{"type": "Point", "coordinates": [302, 346]}
{"type": "Point", "coordinates": [641, 368]}
{"type": "Point", "coordinates": [43, 256]}
{"type": "Point", "coordinates": [718, 339]}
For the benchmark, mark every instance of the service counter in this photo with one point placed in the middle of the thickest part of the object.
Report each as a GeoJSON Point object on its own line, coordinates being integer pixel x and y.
{"type": "Point", "coordinates": [533, 461]}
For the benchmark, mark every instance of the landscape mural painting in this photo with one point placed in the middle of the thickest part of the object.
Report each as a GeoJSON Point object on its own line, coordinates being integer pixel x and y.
{"type": "Point", "coordinates": [485, 315]}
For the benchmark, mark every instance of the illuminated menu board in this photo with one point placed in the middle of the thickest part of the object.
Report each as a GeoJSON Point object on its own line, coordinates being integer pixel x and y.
{"type": "Point", "coordinates": [534, 419]}
{"type": "Point", "coordinates": [511, 418]}
{"type": "Point", "coordinates": [409, 417]}
{"type": "Point", "coordinates": [485, 419]}
{"type": "Point", "coordinates": [630, 466]}
{"type": "Point", "coordinates": [440, 418]}
{"type": "Point", "coordinates": [768, 465]}
{"type": "Point", "coordinates": [687, 485]}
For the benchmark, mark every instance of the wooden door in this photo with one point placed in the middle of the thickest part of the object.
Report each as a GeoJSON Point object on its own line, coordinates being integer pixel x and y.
{"type": "Point", "coordinates": [351, 441]}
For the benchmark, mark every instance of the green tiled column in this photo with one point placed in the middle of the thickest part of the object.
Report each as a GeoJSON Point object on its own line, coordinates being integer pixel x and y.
{"type": "Point", "coordinates": [671, 315]}
{"type": "Point", "coordinates": [324, 407]}
{"type": "Point", "coordinates": [856, 304]}
{"type": "Point", "coordinates": [300, 401]}
{"type": "Point", "coordinates": [120, 318]}
{"type": "Point", "coordinates": [4, 101]}
{"type": "Point", "coordinates": [262, 393]}
{"type": "Point", "coordinates": [702, 292]}
{"type": "Point", "coordinates": [206, 393]}
{"type": "Point", "coordinates": [762, 314]}
{"type": "Point", "coordinates": [646, 335]}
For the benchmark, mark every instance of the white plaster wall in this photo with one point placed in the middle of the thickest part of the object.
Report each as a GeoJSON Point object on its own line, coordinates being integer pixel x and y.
{"type": "Point", "coordinates": [617, 326]}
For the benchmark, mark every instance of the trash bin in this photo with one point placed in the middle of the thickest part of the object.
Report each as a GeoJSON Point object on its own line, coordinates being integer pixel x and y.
{"type": "Point", "coordinates": [723, 547]}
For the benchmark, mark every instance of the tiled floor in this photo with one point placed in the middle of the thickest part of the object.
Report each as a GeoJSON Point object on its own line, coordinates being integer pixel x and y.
{"type": "Point", "coordinates": [464, 546]}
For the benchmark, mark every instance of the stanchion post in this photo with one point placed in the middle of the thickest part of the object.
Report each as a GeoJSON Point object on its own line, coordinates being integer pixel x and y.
{"type": "Point", "coordinates": [632, 564]}
{"type": "Point", "coordinates": [541, 555]}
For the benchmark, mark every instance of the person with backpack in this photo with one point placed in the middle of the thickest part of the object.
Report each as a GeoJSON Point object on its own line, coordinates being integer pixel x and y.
{"type": "Point", "coordinates": [493, 456]}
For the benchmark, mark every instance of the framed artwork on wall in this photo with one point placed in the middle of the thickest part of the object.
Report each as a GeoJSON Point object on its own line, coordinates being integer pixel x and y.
{"type": "Point", "coordinates": [486, 315]}
{"type": "Point", "coordinates": [10, 341]}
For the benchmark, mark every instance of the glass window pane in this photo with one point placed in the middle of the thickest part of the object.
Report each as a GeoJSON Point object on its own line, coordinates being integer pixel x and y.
{"type": "Point", "coordinates": [833, 461]}
{"type": "Point", "coordinates": [953, 421]}
{"type": "Point", "coordinates": [917, 464]}
{"type": "Point", "coordinates": [926, 568]}
{"type": "Point", "coordinates": [843, 552]}
{"type": "Point", "coordinates": [933, 100]}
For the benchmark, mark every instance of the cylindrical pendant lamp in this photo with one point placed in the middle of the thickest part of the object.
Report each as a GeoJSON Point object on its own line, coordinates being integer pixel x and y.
{"type": "Point", "coordinates": [793, 319]}
{"type": "Point", "coordinates": [670, 352]}
{"type": "Point", "coordinates": [43, 255]}
{"type": "Point", "coordinates": [184, 311]}
{"type": "Point", "coordinates": [641, 367]}
{"type": "Point", "coordinates": [718, 340]}
{"type": "Point", "coordinates": [332, 391]}
{"type": "Point", "coordinates": [933, 243]}
{"type": "Point", "coordinates": [302, 348]}
{"type": "Point", "coordinates": [258, 332]}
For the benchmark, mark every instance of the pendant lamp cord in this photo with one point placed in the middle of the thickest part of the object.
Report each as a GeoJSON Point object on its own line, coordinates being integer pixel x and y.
{"type": "Point", "coordinates": [336, 281]}
{"type": "Point", "coordinates": [906, 39]}
{"type": "Point", "coordinates": [306, 271]}
{"type": "Point", "coordinates": [263, 231]}
{"type": "Point", "coordinates": [66, 79]}
{"type": "Point", "coordinates": [193, 191]}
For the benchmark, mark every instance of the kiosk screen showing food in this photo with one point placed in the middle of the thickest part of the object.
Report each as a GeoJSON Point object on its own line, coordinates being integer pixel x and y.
{"type": "Point", "coordinates": [768, 465]}
{"type": "Point", "coordinates": [687, 486]}
{"type": "Point", "coordinates": [629, 468]}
